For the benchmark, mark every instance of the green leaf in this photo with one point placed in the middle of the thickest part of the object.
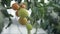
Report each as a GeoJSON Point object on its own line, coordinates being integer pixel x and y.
{"type": "Point", "coordinates": [5, 13]}
{"type": "Point", "coordinates": [10, 22]}
{"type": "Point", "coordinates": [1, 21]}
{"type": "Point", "coordinates": [42, 1]}
{"type": "Point", "coordinates": [19, 1]}
{"type": "Point", "coordinates": [7, 2]}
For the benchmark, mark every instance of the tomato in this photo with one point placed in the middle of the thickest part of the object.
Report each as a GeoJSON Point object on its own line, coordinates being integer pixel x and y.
{"type": "Point", "coordinates": [16, 13]}
{"type": "Point", "coordinates": [22, 21]}
{"type": "Point", "coordinates": [29, 26]}
{"type": "Point", "coordinates": [15, 6]}
{"type": "Point", "coordinates": [23, 5]}
{"type": "Point", "coordinates": [23, 12]}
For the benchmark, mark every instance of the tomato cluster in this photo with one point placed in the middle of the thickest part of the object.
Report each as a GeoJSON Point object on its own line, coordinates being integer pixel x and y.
{"type": "Point", "coordinates": [22, 12]}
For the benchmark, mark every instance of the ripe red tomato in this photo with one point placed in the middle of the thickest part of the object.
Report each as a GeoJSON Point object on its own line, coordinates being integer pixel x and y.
{"type": "Point", "coordinates": [22, 5]}
{"type": "Point", "coordinates": [15, 6]}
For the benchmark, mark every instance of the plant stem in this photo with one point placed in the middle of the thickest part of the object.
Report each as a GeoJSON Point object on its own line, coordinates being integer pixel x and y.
{"type": "Point", "coordinates": [29, 32]}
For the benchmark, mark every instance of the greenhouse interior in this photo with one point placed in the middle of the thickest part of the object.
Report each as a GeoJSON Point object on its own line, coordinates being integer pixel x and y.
{"type": "Point", "coordinates": [29, 16]}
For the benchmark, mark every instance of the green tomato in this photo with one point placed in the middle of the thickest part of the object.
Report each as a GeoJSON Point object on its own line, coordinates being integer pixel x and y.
{"type": "Point", "coordinates": [22, 12]}
{"type": "Point", "coordinates": [29, 26]}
